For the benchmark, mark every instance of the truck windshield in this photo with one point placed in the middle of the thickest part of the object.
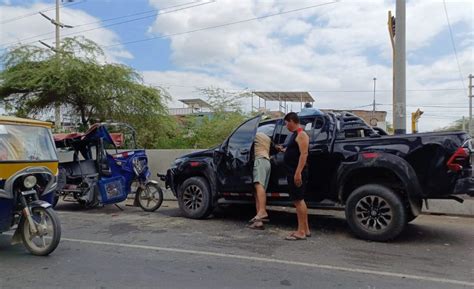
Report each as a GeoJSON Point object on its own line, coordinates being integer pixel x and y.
{"type": "Point", "coordinates": [26, 143]}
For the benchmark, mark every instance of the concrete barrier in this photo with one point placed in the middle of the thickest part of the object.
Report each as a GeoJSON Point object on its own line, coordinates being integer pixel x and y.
{"type": "Point", "coordinates": [161, 159]}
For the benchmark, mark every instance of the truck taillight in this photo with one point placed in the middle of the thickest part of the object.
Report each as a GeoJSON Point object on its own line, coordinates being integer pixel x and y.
{"type": "Point", "coordinates": [459, 159]}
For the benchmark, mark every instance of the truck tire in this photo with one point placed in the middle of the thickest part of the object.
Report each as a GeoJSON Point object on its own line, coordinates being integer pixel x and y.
{"type": "Point", "coordinates": [195, 198]}
{"type": "Point", "coordinates": [374, 212]}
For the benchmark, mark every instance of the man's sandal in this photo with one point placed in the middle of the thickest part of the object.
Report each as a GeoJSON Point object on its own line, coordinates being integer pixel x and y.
{"type": "Point", "coordinates": [256, 226]}
{"type": "Point", "coordinates": [259, 219]}
{"type": "Point", "coordinates": [293, 237]}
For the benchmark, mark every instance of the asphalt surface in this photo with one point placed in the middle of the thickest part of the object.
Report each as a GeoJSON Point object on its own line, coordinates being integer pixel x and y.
{"type": "Point", "coordinates": [109, 248]}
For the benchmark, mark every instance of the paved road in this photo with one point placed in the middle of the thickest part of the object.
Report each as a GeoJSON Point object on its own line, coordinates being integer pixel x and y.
{"type": "Point", "coordinates": [109, 248]}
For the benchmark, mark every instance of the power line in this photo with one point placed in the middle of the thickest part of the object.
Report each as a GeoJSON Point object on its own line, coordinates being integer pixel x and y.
{"type": "Point", "coordinates": [454, 45]}
{"type": "Point", "coordinates": [430, 105]}
{"type": "Point", "coordinates": [99, 21]}
{"type": "Point", "coordinates": [143, 12]}
{"type": "Point", "coordinates": [386, 90]}
{"type": "Point", "coordinates": [221, 25]}
{"type": "Point", "coordinates": [35, 13]}
{"type": "Point", "coordinates": [161, 12]}
{"type": "Point", "coordinates": [335, 91]}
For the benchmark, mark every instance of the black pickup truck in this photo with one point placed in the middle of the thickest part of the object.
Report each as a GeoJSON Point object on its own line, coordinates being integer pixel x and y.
{"type": "Point", "coordinates": [380, 180]}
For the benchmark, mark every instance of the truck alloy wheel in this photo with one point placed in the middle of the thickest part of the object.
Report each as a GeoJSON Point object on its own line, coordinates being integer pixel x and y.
{"type": "Point", "coordinates": [194, 198]}
{"type": "Point", "coordinates": [375, 212]}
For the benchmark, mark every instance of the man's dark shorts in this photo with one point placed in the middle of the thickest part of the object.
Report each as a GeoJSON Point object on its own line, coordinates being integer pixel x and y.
{"type": "Point", "coordinates": [296, 193]}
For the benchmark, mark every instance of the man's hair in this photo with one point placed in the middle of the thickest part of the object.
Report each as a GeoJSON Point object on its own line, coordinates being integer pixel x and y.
{"type": "Point", "coordinates": [292, 116]}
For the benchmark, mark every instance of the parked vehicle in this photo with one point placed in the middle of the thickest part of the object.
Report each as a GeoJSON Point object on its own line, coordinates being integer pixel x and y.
{"type": "Point", "coordinates": [28, 178]}
{"type": "Point", "coordinates": [95, 176]}
{"type": "Point", "coordinates": [381, 180]}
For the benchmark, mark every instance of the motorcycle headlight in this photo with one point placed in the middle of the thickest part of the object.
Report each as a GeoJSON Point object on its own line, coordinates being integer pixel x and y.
{"type": "Point", "coordinates": [138, 166]}
{"type": "Point", "coordinates": [29, 182]}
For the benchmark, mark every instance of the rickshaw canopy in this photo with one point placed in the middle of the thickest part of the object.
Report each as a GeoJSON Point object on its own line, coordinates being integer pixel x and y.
{"type": "Point", "coordinates": [93, 134]}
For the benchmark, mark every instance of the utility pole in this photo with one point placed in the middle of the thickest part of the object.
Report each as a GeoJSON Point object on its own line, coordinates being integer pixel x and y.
{"type": "Point", "coordinates": [58, 25]}
{"type": "Point", "coordinates": [471, 126]}
{"type": "Point", "coordinates": [373, 119]}
{"type": "Point", "coordinates": [373, 104]}
{"type": "Point", "coordinates": [391, 32]}
{"type": "Point", "coordinates": [57, 107]}
{"type": "Point", "coordinates": [399, 86]}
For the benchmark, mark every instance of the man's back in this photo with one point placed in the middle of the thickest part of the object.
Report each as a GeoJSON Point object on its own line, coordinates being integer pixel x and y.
{"type": "Point", "coordinates": [262, 145]}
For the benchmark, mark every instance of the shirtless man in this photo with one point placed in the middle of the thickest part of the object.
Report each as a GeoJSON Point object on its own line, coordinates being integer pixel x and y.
{"type": "Point", "coordinates": [261, 177]}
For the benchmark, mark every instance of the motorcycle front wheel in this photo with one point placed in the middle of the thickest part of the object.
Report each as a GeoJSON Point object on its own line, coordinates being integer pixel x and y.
{"type": "Point", "coordinates": [150, 198]}
{"type": "Point", "coordinates": [48, 234]}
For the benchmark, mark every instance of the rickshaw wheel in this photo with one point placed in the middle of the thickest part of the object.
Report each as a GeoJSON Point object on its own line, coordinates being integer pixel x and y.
{"type": "Point", "coordinates": [151, 198]}
{"type": "Point", "coordinates": [45, 243]}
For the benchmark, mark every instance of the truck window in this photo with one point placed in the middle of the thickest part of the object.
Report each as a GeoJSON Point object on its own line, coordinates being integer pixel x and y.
{"type": "Point", "coordinates": [267, 129]}
{"type": "Point", "coordinates": [281, 136]}
{"type": "Point", "coordinates": [243, 136]}
{"type": "Point", "coordinates": [355, 133]}
{"type": "Point", "coordinates": [320, 133]}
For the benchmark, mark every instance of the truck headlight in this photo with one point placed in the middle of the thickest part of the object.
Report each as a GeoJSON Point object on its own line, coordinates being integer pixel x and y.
{"type": "Point", "coordinates": [29, 182]}
{"type": "Point", "coordinates": [179, 161]}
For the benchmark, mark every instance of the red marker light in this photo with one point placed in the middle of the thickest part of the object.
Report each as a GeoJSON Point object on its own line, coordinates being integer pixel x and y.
{"type": "Point", "coordinates": [195, 164]}
{"type": "Point", "coordinates": [370, 155]}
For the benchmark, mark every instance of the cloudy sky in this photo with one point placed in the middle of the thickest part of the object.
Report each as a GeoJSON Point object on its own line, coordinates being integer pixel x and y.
{"type": "Point", "coordinates": [333, 49]}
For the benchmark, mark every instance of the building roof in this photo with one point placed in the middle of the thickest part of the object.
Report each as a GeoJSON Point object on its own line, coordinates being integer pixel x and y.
{"type": "Point", "coordinates": [355, 111]}
{"type": "Point", "coordinates": [195, 102]}
{"type": "Point", "coordinates": [25, 121]}
{"type": "Point", "coordinates": [290, 96]}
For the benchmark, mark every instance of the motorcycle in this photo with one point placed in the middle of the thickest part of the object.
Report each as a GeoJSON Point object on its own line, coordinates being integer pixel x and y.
{"type": "Point", "coordinates": [96, 177]}
{"type": "Point", "coordinates": [28, 179]}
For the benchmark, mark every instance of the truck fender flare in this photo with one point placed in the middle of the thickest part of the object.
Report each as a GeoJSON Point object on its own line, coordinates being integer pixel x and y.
{"type": "Point", "coordinates": [205, 170]}
{"type": "Point", "coordinates": [401, 168]}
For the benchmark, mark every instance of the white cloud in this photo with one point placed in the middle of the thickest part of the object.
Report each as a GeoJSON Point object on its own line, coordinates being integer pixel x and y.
{"type": "Point", "coordinates": [296, 27]}
{"type": "Point", "coordinates": [24, 30]}
{"type": "Point", "coordinates": [182, 85]}
{"type": "Point", "coordinates": [342, 46]}
{"type": "Point", "coordinates": [336, 47]}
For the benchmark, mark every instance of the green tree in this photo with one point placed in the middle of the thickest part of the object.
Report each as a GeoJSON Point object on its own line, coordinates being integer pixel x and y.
{"type": "Point", "coordinates": [210, 130]}
{"type": "Point", "coordinates": [34, 80]}
{"type": "Point", "coordinates": [390, 129]}
{"type": "Point", "coordinates": [455, 126]}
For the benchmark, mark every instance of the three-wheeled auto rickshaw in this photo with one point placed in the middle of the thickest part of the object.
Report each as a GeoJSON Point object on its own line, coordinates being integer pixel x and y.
{"type": "Point", "coordinates": [28, 179]}
{"type": "Point", "coordinates": [96, 177]}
